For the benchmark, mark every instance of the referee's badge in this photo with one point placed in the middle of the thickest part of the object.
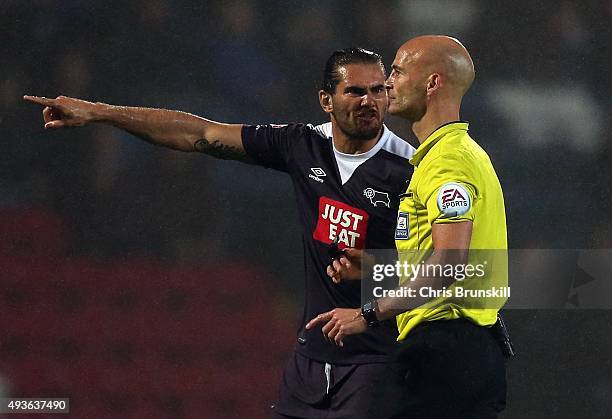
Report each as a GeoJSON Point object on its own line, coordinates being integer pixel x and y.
{"type": "Point", "coordinates": [401, 229]}
{"type": "Point", "coordinates": [453, 200]}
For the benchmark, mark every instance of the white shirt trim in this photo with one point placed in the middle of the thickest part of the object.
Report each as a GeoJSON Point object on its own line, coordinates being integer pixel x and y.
{"type": "Point", "coordinates": [348, 163]}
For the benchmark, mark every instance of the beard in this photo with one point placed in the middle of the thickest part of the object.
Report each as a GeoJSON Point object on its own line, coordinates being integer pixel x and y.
{"type": "Point", "coordinates": [358, 131]}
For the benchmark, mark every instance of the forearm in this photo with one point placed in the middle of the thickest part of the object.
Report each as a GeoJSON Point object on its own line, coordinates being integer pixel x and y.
{"type": "Point", "coordinates": [173, 129]}
{"type": "Point", "coordinates": [451, 243]}
{"type": "Point", "coordinates": [389, 307]}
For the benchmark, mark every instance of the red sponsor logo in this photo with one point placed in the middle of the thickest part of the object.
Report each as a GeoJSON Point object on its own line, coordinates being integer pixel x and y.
{"type": "Point", "coordinates": [337, 219]}
{"type": "Point", "coordinates": [451, 195]}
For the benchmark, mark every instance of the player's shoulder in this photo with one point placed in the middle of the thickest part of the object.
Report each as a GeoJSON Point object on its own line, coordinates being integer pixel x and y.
{"type": "Point", "coordinates": [306, 131]}
{"type": "Point", "coordinates": [395, 145]}
{"type": "Point", "coordinates": [323, 131]}
{"type": "Point", "coordinates": [293, 128]}
{"type": "Point", "coordinates": [456, 148]}
{"type": "Point", "coordinates": [461, 159]}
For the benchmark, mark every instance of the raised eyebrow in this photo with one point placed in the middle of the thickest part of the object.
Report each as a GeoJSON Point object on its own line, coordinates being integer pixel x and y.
{"type": "Point", "coordinates": [355, 89]}
{"type": "Point", "coordinates": [371, 86]}
{"type": "Point", "coordinates": [363, 89]}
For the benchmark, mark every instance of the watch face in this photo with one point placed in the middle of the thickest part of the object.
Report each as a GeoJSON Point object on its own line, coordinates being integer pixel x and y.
{"type": "Point", "coordinates": [369, 313]}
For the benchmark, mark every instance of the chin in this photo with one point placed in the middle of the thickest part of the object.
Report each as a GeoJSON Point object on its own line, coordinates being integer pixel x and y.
{"type": "Point", "coordinates": [410, 114]}
{"type": "Point", "coordinates": [367, 134]}
{"type": "Point", "coordinates": [394, 110]}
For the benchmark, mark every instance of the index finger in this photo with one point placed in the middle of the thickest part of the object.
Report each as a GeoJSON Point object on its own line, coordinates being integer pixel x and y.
{"type": "Point", "coordinates": [321, 318]}
{"type": "Point", "coordinates": [39, 100]}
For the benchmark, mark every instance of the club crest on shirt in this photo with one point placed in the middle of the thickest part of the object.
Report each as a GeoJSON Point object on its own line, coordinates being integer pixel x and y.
{"type": "Point", "coordinates": [453, 200]}
{"type": "Point", "coordinates": [377, 198]}
{"type": "Point", "coordinates": [339, 220]}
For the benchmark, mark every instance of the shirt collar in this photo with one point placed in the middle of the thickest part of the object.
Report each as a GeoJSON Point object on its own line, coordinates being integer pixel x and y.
{"type": "Point", "coordinates": [385, 135]}
{"type": "Point", "coordinates": [435, 137]}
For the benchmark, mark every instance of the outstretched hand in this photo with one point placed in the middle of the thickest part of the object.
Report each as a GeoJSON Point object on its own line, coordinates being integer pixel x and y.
{"type": "Point", "coordinates": [339, 323]}
{"type": "Point", "coordinates": [64, 111]}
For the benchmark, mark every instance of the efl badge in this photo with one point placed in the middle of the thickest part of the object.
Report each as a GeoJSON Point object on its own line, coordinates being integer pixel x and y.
{"type": "Point", "coordinates": [401, 229]}
{"type": "Point", "coordinates": [453, 200]}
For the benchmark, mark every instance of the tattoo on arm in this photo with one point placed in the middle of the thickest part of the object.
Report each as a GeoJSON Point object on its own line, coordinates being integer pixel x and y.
{"type": "Point", "coordinates": [221, 151]}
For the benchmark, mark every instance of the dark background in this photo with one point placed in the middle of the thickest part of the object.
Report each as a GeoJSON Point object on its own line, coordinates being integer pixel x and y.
{"type": "Point", "coordinates": [146, 282]}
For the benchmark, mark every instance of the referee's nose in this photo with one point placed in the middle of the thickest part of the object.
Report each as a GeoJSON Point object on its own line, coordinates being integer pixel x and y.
{"type": "Point", "coordinates": [388, 84]}
{"type": "Point", "coordinates": [390, 80]}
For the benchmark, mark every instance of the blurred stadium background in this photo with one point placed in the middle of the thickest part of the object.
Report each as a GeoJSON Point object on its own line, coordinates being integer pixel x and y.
{"type": "Point", "coordinates": [142, 282]}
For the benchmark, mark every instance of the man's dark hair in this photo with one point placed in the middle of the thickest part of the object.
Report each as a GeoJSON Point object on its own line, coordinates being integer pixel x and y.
{"type": "Point", "coordinates": [343, 57]}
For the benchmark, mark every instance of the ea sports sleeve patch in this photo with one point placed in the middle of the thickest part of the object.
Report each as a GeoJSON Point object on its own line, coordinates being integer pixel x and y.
{"type": "Point", "coordinates": [448, 190]}
{"type": "Point", "coordinates": [453, 200]}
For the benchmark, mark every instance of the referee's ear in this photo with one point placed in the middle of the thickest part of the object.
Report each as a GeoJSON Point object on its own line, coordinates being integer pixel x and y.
{"type": "Point", "coordinates": [325, 99]}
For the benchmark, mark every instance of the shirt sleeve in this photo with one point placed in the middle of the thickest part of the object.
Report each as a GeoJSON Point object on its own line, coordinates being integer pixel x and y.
{"type": "Point", "coordinates": [449, 190]}
{"type": "Point", "coordinates": [268, 145]}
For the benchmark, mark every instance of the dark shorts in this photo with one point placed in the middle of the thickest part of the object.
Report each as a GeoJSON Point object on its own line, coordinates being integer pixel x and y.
{"type": "Point", "coordinates": [312, 389]}
{"type": "Point", "coordinates": [444, 369]}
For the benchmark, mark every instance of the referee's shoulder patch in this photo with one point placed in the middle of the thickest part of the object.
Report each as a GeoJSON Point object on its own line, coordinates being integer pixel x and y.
{"type": "Point", "coordinates": [402, 231]}
{"type": "Point", "coordinates": [454, 199]}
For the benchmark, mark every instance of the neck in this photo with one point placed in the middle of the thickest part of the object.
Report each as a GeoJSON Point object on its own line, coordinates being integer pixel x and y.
{"type": "Point", "coordinates": [349, 145]}
{"type": "Point", "coordinates": [436, 116]}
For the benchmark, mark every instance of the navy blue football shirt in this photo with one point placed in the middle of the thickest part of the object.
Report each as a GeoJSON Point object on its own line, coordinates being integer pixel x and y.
{"type": "Point", "coordinates": [349, 198]}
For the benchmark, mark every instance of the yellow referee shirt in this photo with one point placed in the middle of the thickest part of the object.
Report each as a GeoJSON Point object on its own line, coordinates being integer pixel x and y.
{"type": "Point", "coordinates": [454, 181]}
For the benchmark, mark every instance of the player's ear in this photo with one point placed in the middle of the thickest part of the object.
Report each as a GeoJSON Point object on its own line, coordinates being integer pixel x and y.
{"type": "Point", "coordinates": [434, 82]}
{"type": "Point", "coordinates": [326, 101]}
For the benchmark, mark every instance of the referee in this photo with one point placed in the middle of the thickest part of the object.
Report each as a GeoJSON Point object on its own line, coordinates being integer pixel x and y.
{"type": "Point", "coordinates": [448, 364]}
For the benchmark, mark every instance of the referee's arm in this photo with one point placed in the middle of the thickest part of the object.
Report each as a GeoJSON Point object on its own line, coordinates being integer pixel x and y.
{"type": "Point", "coordinates": [451, 243]}
{"type": "Point", "coordinates": [168, 128]}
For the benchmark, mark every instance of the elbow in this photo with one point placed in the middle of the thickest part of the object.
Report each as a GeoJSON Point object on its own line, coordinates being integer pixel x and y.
{"type": "Point", "coordinates": [186, 144]}
{"type": "Point", "coordinates": [452, 256]}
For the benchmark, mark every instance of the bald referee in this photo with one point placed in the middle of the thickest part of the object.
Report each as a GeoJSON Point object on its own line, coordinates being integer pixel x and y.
{"type": "Point", "coordinates": [448, 363]}
{"type": "Point", "coordinates": [347, 175]}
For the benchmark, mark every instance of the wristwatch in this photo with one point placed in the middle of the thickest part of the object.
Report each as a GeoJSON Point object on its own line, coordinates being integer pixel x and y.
{"type": "Point", "coordinates": [368, 311]}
